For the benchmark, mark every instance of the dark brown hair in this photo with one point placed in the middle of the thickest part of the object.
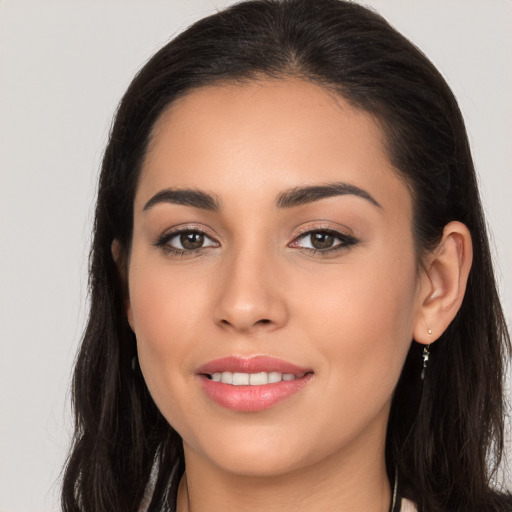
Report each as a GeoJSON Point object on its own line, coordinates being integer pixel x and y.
{"type": "Point", "coordinates": [445, 435]}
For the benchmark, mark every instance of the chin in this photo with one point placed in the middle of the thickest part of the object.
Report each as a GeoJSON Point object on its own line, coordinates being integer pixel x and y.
{"type": "Point", "coordinates": [269, 451]}
{"type": "Point", "coordinates": [258, 463]}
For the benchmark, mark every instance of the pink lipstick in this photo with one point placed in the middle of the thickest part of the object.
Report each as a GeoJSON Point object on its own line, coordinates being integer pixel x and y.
{"type": "Point", "coordinates": [251, 384]}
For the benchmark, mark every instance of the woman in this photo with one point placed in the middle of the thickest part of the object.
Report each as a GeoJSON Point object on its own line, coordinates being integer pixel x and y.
{"type": "Point", "coordinates": [292, 299]}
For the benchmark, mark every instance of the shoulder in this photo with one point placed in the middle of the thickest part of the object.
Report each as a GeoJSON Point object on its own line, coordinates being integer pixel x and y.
{"type": "Point", "coordinates": [498, 503]}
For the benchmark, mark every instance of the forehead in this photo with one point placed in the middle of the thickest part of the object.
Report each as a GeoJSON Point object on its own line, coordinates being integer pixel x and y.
{"type": "Point", "coordinates": [266, 135]}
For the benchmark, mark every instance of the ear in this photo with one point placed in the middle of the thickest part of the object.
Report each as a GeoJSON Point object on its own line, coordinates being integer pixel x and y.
{"type": "Point", "coordinates": [119, 258]}
{"type": "Point", "coordinates": [443, 283]}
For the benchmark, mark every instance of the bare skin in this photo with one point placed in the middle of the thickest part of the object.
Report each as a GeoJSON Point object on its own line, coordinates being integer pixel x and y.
{"type": "Point", "coordinates": [329, 283]}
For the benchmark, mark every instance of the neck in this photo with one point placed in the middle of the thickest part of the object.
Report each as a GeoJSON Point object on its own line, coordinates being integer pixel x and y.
{"type": "Point", "coordinates": [352, 484]}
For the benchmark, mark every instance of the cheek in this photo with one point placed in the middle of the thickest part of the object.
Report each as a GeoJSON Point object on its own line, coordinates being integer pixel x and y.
{"type": "Point", "coordinates": [362, 325]}
{"type": "Point", "coordinates": [165, 304]}
{"type": "Point", "coordinates": [165, 310]}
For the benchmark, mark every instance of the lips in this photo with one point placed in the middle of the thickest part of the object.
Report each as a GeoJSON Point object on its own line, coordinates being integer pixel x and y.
{"type": "Point", "coordinates": [251, 384]}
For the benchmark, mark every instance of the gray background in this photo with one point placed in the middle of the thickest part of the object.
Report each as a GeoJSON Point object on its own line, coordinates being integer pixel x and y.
{"type": "Point", "coordinates": [63, 67]}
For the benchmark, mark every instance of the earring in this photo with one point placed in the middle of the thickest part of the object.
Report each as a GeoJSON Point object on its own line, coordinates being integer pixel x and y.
{"type": "Point", "coordinates": [425, 356]}
{"type": "Point", "coordinates": [429, 332]}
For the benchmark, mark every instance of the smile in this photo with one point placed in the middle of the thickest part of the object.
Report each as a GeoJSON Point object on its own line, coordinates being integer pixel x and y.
{"type": "Point", "coordinates": [251, 384]}
{"type": "Point", "coordinates": [253, 379]}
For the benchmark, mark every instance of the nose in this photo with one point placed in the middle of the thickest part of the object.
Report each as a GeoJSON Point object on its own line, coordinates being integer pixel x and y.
{"type": "Point", "coordinates": [251, 294]}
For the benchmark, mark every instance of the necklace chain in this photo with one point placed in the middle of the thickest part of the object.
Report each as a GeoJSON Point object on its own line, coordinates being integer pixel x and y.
{"type": "Point", "coordinates": [395, 491]}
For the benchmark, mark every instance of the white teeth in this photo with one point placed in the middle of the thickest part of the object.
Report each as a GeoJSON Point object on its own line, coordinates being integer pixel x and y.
{"type": "Point", "coordinates": [226, 378]}
{"type": "Point", "coordinates": [240, 379]}
{"type": "Point", "coordinates": [253, 379]}
{"type": "Point", "coordinates": [258, 379]}
{"type": "Point", "coordinates": [275, 377]}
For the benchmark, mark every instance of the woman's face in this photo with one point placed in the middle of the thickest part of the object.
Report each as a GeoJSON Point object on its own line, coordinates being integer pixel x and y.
{"type": "Point", "coordinates": [272, 236]}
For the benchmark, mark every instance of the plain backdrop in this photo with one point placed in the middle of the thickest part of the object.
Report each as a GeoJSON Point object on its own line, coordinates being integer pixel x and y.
{"type": "Point", "coordinates": [63, 67]}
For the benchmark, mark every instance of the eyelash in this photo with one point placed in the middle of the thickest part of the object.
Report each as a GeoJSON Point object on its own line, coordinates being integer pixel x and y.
{"type": "Point", "coordinates": [345, 241]}
{"type": "Point", "coordinates": [164, 240]}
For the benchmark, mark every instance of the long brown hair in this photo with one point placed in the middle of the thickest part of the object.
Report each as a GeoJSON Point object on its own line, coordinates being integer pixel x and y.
{"type": "Point", "coordinates": [445, 434]}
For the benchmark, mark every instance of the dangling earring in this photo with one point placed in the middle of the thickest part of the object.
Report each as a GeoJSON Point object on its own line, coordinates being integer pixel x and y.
{"type": "Point", "coordinates": [425, 356]}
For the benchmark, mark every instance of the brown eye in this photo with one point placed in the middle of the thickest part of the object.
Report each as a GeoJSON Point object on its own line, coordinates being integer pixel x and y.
{"type": "Point", "coordinates": [191, 241]}
{"type": "Point", "coordinates": [185, 241]}
{"type": "Point", "coordinates": [322, 240]}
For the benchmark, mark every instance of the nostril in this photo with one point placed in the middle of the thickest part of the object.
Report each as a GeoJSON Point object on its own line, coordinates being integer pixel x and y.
{"type": "Point", "coordinates": [242, 326]}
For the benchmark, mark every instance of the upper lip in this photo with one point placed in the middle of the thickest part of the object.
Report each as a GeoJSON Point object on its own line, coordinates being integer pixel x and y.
{"type": "Point", "coordinates": [254, 364]}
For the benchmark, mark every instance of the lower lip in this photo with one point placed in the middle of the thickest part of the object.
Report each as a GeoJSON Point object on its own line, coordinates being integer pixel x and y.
{"type": "Point", "coordinates": [252, 398]}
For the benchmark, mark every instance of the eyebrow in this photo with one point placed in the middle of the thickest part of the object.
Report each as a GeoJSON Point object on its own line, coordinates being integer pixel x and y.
{"type": "Point", "coordinates": [304, 195]}
{"type": "Point", "coordinates": [296, 196]}
{"type": "Point", "coordinates": [185, 197]}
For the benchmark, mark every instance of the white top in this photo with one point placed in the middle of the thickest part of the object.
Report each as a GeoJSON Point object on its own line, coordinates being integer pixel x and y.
{"type": "Point", "coordinates": [407, 506]}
